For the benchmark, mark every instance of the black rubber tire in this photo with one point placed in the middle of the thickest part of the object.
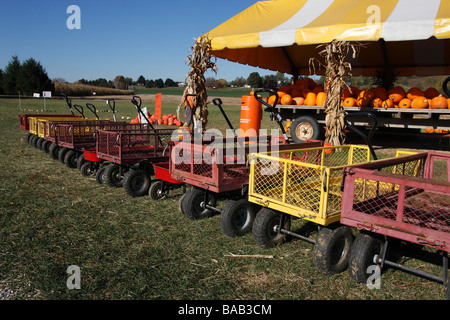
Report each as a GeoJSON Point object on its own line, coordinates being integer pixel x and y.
{"type": "Point", "coordinates": [80, 161]}
{"type": "Point", "coordinates": [136, 183]}
{"type": "Point", "coordinates": [33, 141]}
{"type": "Point", "coordinates": [304, 128]}
{"type": "Point", "coordinates": [27, 137]}
{"type": "Point", "coordinates": [191, 205]}
{"type": "Point", "coordinates": [88, 169]}
{"type": "Point", "coordinates": [70, 159]}
{"type": "Point", "coordinates": [113, 177]}
{"type": "Point", "coordinates": [45, 146]}
{"type": "Point", "coordinates": [155, 191]}
{"type": "Point", "coordinates": [332, 249]}
{"type": "Point", "coordinates": [100, 175]}
{"type": "Point", "coordinates": [236, 218]}
{"type": "Point", "coordinates": [62, 154]}
{"type": "Point", "coordinates": [54, 150]}
{"type": "Point", "coordinates": [39, 143]}
{"type": "Point", "coordinates": [364, 248]}
{"type": "Point", "coordinates": [263, 230]}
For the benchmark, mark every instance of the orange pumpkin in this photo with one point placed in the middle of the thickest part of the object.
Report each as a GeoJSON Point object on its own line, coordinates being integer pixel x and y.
{"type": "Point", "coordinates": [431, 93]}
{"type": "Point", "coordinates": [299, 101]}
{"type": "Point", "coordinates": [387, 104]}
{"type": "Point", "coordinates": [429, 130]}
{"type": "Point", "coordinates": [310, 99]}
{"type": "Point", "coordinates": [396, 94]}
{"type": "Point", "coordinates": [345, 93]}
{"type": "Point", "coordinates": [377, 103]}
{"type": "Point", "coordinates": [305, 92]}
{"type": "Point", "coordinates": [349, 102]}
{"type": "Point", "coordinates": [419, 103]}
{"type": "Point", "coordinates": [286, 99]}
{"type": "Point", "coordinates": [272, 98]}
{"type": "Point", "coordinates": [439, 102]}
{"type": "Point", "coordinates": [380, 93]}
{"type": "Point", "coordinates": [414, 92]}
{"type": "Point", "coordinates": [404, 103]}
{"type": "Point", "coordinates": [320, 98]}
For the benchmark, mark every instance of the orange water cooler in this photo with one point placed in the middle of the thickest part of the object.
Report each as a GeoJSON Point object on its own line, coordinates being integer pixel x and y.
{"type": "Point", "coordinates": [251, 115]}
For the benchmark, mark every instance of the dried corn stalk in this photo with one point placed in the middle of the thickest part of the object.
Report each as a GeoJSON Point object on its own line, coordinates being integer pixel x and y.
{"type": "Point", "coordinates": [334, 54]}
{"type": "Point", "coordinates": [199, 62]}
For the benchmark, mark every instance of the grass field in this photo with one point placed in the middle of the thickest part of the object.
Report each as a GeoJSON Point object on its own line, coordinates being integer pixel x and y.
{"type": "Point", "coordinates": [225, 92]}
{"type": "Point", "coordinates": [135, 248]}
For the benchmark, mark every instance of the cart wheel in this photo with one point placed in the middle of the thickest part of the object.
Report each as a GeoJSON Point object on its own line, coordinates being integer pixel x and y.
{"type": "Point", "coordinates": [70, 159]}
{"type": "Point", "coordinates": [264, 228]}
{"type": "Point", "coordinates": [332, 249]}
{"type": "Point", "coordinates": [113, 177]}
{"type": "Point", "coordinates": [54, 150]}
{"type": "Point", "coordinates": [88, 169]}
{"type": "Point", "coordinates": [33, 141]}
{"type": "Point", "coordinates": [39, 143]}
{"type": "Point", "coordinates": [100, 175]}
{"type": "Point", "coordinates": [45, 146]}
{"type": "Point", "coordinates": [156, 192]}
{"type": "Point", "coordinates": [364, 248]}
{"type": "Point", "coordinates": [136, 183]}
{"type": "Point", "coordinates": [62, 153]}
{"type": "Point", "coordinates": [237, 217]}
{"type": "Point", "coordinates": [304, 128]}
{"type": "Point", "coordinates": [80, 161]}
{"type": "Point", "coordinates": [28, 136]}
{"type": "Point", "coordinates": [192, 204]}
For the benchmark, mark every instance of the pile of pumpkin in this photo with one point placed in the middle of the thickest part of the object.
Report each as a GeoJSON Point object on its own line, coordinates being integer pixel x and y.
{"type": "Point", "coordinates": [167, 119]}
{"type": "Point", "coordinates": [307, 92]}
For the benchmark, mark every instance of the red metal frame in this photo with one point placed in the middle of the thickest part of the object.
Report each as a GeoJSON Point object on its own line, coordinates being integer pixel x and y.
{"type": "Point", "coordinates": [417, 209]}
{"type": "Point", "coordinates": [218, 169]}
{"type": "Point", "coordinates": [162, 172]}
{"type": "Point", "coordinates": [133, 145]}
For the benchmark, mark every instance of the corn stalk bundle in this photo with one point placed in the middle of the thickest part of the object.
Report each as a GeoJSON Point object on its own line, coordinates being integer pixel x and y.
{"type": "Point", "coordinates": [199, 62]}
{"type": "Point", "coordinates": [336, 69]}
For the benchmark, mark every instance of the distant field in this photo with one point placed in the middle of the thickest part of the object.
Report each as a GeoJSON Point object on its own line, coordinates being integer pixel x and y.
{"type": "Point", "coordinates": [226, 92]}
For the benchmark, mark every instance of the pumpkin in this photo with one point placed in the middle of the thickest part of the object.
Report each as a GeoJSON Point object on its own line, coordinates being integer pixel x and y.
{"type": "Point", "coordinates": [272, 98]}
{"type": "Point", "coordinates": [320, 98]}
{"type": "Point", "coordinates": [345, 93]}
{"type": "Point", "coordinates": [439, 102]}
{"type": "Point", "coordinates": [365, 96]}
{"type": "Point", "coordinates": [305, 92]}
{"type": "Point", "coordinates": [419, 103]}
{"type": "Point", "coordinates": [284, 89]}
{"type": "Point", "coordinates": [414, 92]}
{"type": "Point", "coordinates": [349, 102]}
{"type": "Point", "coordinates": [405, 103]}
{"type": "Point", "coordinates": [286, 99]}
{"type": "Point", "coordinates": [431, 93]}
{"type": "Point", "coordinates": [310, 99]}
{"type": "Point", "coordinates": [299, 101]}
{"type": "Point", "coordinates": [388, 103]}
{"type": "Point", "coordinates": [318, 89]}
{"type": "Point", "coordinates": [377, 103]}
{"type": "Point", "coordinates": [396, 94]}
{"type": "Point", "coordinates": [296, 92]}
{"type": "Point", "coordinates": [429, 130]}
{"type": "Point", "coordinates": [380, 93]}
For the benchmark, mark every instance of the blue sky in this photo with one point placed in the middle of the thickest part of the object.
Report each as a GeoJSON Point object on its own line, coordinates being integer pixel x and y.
{"type": "Point", "coordinates": [130, 38]}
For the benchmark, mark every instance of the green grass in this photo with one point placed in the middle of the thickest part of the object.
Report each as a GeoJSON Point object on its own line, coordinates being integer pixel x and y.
{"type": "Point", "coordinates": [225, 92]}
{"type": "Point", "coordinates": [135, 248]}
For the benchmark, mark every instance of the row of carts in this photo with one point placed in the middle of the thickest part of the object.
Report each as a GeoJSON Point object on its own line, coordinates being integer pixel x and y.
{"type": "Point", "coordinates": [362, 206]}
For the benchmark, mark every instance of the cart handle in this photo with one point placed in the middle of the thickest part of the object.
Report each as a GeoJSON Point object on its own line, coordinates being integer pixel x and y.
{"type": "Point", "coordinates": [112, 105]}
{"type": "Point", "coordinates": [218, 102]}
{"type": "Point", "coordinates": [79, 109]}
{"type": "Point", "coordinates": [367, 138]}
{"type": "Point", "coordinates": [138, 107]}
{"type": "Point", "coordinates": [68, 101]}
{"type": "Point", "coordinates": [93, 109]}
{"type": "Point", "coordinates": [272, 108]}
{"type": "Point", "coordinates": [445, 87]}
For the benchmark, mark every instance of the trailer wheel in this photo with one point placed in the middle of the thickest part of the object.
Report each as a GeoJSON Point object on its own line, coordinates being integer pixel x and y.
{"type": "Point", "coordinates": [33, 140]}
{"type": "Point", "coordinates": [70, 159]}
{"type": "Point", "coordinates": [136, 183]}
{"type": "Point", "coordinates": [156, 192]}
{"type": "Point", "coordinates": [100, 175]}
{"type": "Point", "coordinates": [45, 146]}
{"type": "Point", "coordinates": [332, 249]}
{"type": "Point", "coordinates": [113, 177]}
{"type": "Point", "coordinates": [264, 228]}
{"type": "Point", "coordinates": [62, 154]}
{"type": "Point", "coordinates": [28, 136]}
{"type": "Point", "coordinates": [54, 150]}
{"type": "Point", "coordinates": [364, 248]}
{"type": "Point", "coordinates": [304, 128]}
{"type": "Point", "coordinates": [237, 217]}
{"type": "Point", "coordinates": [39, 143]}
{"type": "Point", "coordinates": [80, 161]}
{"type": "Point", "coordinates": [88, 169]}
{"type": "Point", "coordinates": [192, 204]}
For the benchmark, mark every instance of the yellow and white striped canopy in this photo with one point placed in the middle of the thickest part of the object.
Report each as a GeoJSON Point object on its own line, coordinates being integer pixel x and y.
{"type": "Point", "coordinates": [413, 36]}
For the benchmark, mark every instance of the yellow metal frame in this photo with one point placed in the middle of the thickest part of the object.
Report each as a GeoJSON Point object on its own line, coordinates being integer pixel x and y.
{"type": "Point", "coordinates": [325, 177]}
{"type": "Point", "coordinates": [36, 124]}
